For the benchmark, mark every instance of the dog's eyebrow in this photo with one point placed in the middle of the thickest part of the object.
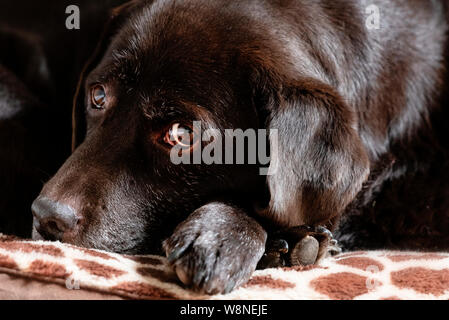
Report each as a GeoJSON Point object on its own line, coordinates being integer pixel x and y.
{"type": "Point", "coordinates": [163, 109]}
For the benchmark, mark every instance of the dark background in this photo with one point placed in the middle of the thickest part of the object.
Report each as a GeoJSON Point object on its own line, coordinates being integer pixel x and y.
{"type": "Point", "coordinates": [40, 63]}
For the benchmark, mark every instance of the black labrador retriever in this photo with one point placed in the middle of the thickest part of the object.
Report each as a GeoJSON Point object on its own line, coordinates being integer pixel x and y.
{"type": "Point", "coordinates": [360, 148]}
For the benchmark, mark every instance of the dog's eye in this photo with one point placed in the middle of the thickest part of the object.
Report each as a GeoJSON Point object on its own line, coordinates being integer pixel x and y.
{"type": "Point", "coordinates": [180, 135]}
{"type": "Point", "coordinates": [98, 97]}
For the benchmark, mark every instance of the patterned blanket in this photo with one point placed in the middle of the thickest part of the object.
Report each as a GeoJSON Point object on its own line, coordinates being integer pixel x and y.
{"type": "Point", "coordinates": [52, 270]}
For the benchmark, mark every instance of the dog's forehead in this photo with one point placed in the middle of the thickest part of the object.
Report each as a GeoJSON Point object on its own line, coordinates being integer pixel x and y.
{"type": "Point", "coordinates": [202, 33]}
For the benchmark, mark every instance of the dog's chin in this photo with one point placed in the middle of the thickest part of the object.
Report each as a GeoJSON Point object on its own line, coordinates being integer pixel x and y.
{"type": "Point", "coordinates": [135, 249]}
{"type": "Point", "coordinates": [130, 246]}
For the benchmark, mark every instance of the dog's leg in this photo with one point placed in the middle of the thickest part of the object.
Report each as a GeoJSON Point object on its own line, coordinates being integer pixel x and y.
{"type": "Point", "coordinates": [318, 162]}
{"type": "Point", "coordinates": [318, 166]}
{"type": "Point", "coordinates": [216, 249]}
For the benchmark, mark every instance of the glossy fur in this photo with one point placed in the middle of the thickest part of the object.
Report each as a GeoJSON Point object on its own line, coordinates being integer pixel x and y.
{"type": "Point", "coordinates": [361, 116]}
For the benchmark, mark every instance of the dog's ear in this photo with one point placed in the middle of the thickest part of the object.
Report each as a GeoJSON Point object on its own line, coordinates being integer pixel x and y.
{"type": "Point", "coordinates": [318, 162]}
{"type": "Point", "coordinates": [116, 18]}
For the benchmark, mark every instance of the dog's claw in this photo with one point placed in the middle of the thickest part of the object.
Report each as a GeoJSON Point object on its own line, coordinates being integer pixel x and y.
{"type": "Point", "coordinates": [334, 250]}
{"type": "Point", "coordinates": [176, 253]}
{"type": "Point", "coordinates": [183, 277]}
{"type": "Point", "coordinates": [321, 229]}
{"type": "Point", "coordinates": [229, 287]}
{"type": "Point", "coordinates": [279, 245]}
{"type": "Point", "coordinates": [274, 254]}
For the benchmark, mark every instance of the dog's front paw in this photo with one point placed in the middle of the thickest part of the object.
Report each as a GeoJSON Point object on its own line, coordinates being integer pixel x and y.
{"type": "Point", "coordinates": [298, 246]}
{"type": "Point", "coordinates": [216, 249]}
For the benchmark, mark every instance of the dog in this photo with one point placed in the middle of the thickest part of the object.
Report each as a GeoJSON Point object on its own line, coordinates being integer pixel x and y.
{"type": "Point", "coordinates": [360, 146]}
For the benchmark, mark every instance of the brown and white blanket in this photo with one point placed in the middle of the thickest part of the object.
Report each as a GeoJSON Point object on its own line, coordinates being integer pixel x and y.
{"type": "Point", "coordinates": [52, 270]}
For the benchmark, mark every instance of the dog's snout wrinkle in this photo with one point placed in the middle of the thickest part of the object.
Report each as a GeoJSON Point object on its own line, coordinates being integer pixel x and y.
{"type": "Point", "coordinates": [53, 219]}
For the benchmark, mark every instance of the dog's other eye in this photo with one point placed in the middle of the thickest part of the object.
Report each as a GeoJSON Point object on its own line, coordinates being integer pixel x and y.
{"type": "Point", "coordinates": [180, 135]}
{"type": "Point", "coordinates": [98, 97]}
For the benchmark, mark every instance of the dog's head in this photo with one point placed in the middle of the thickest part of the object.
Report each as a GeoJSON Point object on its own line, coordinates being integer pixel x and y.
{"type": "Point", "coordinates": [162, 67]}
{"type": "Point", "coordinates": [161, 75]}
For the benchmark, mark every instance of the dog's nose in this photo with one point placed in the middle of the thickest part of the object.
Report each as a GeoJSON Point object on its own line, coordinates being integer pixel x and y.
{"type": "Point", "coordinates": [53, 219]}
